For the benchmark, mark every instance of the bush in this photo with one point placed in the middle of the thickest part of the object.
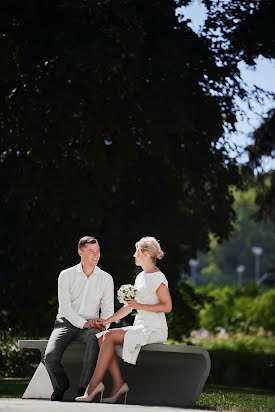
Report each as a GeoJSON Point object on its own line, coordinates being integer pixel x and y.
{"type": "Point", "coordinates": [217, 313]}
{"type": "Point", "coordinates": [264, 312]}
{"type": "Point", "coordinates": [241, 314]}
{"type": "Point", "coordinates": [242, 310]}
{"type": "Point", "coordinates": [242, 369]}
{"type": "Point", "coordinates": [184, 318]}
{"type": "Point", "coordinates": [15, 362]}
{"type": "Point", "coordinates": [240, 360]}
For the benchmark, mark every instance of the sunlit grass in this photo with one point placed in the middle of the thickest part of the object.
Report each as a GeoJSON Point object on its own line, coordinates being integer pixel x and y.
{"type": "Point", "coordinates": [228, 398]}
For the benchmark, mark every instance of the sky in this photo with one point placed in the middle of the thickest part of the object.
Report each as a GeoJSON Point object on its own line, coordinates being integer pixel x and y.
{"type": "Point", "coordinates": [263, 76]}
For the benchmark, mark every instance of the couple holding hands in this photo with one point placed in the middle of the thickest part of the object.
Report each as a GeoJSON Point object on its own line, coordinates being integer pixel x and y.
{"type": "Point", "coordinates": [85, 290]}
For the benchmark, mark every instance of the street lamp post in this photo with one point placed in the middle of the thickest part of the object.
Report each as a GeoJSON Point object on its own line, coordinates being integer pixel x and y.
{"type": "Point", "coordinates": [193, 263]}
{"type": "Point", "coordinates": [240, 269]}
{"type": "Point", "coordinates": [257, 251]}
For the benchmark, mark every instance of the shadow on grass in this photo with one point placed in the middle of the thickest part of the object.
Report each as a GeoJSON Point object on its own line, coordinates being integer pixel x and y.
{"type": "Point", "coordinates": [13, 388]}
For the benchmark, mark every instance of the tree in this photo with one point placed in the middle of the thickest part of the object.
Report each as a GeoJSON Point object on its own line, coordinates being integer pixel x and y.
{"type": "Point", "coordinates": [223, 258]}
{"type": "Point", "coordinates": [216, 314]}
{"type": "Point", "coordinates": [240, 30]}
{"type": "Point", "coordinates": [107, 129]}
{"type": "Point", "coordinates": [264, 313]}
{"type": "Point", "coordinates": [263, 146]}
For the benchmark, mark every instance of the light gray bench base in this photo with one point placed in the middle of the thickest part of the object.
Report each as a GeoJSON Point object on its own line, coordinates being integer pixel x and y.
{"type": "Point", "coordinates": [170, 375]}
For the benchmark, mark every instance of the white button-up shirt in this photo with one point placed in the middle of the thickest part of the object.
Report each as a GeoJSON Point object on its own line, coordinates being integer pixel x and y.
{"type": "Point", "coordinates": [81, 298]}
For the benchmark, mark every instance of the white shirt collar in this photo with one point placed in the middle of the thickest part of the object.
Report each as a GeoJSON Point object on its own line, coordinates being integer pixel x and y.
{"type": "Point", "coordinates": [79, 268]}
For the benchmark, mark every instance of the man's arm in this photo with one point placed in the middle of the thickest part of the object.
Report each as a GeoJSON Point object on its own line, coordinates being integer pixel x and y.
{"type": "Point", "coordinates": [65, 303]}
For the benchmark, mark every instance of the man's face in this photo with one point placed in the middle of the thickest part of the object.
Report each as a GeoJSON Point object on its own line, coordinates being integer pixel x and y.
{"type": "Point", "coordinates": [90, 253]}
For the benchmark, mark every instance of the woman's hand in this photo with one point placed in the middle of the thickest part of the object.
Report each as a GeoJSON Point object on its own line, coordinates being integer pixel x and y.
{"type": "Point", "coordinates": [133, 304]}
{"type": "Point", "coordinates": [101, 323]}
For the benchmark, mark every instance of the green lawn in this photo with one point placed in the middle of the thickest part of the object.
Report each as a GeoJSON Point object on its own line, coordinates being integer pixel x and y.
{"type": "Point", "coordinates": [232, 398]}
{"type": "Point", "coordinates": [13, 388]}
{"type": "Point", "coordinates": [214, 397]}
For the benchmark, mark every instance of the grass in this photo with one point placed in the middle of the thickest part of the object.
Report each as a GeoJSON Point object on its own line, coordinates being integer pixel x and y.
{"type": "Point", "coordinates": [13, 388]}
{"type": "Point", "coordinates": [213, 397]}
{"type": "Point", "coordinates": [231, 398]}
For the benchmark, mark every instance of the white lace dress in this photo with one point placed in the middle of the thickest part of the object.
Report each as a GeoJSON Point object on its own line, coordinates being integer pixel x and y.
{"type": "Point", "coordinates": [148, 327]}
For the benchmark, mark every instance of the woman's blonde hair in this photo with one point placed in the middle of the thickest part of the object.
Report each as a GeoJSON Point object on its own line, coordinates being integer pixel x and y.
{"type": "Point", "coordinates": [152, 246]}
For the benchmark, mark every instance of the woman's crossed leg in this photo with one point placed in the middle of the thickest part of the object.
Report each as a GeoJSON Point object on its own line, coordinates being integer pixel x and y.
{"type": "Point", "coordinates": [107, 359]}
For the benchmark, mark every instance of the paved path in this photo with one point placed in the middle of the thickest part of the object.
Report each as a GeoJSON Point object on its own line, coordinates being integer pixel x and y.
{"type": "Point", "coordinates": [27, 405]}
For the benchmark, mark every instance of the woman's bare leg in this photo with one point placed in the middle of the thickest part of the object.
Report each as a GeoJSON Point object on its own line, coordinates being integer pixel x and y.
{"type": "Point", "coordinates": [106, 358]}
{"type": "Point", "coordinates": [114, 370]}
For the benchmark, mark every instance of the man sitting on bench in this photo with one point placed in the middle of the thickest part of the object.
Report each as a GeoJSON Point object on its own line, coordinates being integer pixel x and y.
{"type": "Point", "coordinates": [83, 291]}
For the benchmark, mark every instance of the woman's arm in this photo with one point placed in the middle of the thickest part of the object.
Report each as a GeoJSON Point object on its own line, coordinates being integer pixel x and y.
{"type": "Point", "coordinates": [121, 313]}
{"type": "Point", "coordinates": [165, 304]}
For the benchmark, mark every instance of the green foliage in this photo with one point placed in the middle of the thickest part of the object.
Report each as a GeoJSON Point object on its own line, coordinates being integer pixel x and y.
{"type": "Point", "coordinates": [219, 265]}
{"type": "Point", "coordinates": [108, 125]}
{"type": "Point", "coordinates": [185, 314]}
{"type": "Point", "coordinates": [14, 361]}
{"type": "Point", "coordinates": [263, 310]}
{"type": "Point", "coordinates": [241, 317]}
{"type": "Point", "coordinates": [242, 368]}
{"type": "Point", "coordinates": [237, 343]}
{"type": "Point", "coordinates": [245, 31]}
{"type": "Point", "coordinates": [250, 289]}
{"type": "Point", "coordinates": [217, 313]}
{"type": "Point", "coordinates": [263, 146]}
{"type": "Point", "coordinates": [242, 310]}
{"type": "Point", "coordinates": [238, 359]}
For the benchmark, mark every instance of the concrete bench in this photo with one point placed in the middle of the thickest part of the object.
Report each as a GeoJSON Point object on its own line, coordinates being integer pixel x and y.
{"type": "Point", "coordinates": [168, 375]}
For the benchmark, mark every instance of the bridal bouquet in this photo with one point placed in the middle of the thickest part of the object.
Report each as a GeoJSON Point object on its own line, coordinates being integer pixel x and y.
{"type": "Point", "coordinates": [126, 291]}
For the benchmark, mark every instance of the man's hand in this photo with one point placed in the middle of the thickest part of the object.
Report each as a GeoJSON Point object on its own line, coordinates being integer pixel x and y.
{"type": "Point", "coordinates": [87, 325]}
{"type": "Point", "coordinates": [100, 324]}
{"type": "Point", "coordinates": [92, 323]}
{"type": "Point", "coordinates": [95, 323]}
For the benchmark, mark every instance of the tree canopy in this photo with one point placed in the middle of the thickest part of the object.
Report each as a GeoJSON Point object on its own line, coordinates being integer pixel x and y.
{"type": "Point", "coordinates": [264, 146]}
{"type": "Point", "coordinates": [111, 117]}
{"type": "Point", "coordinates": [219, 265]}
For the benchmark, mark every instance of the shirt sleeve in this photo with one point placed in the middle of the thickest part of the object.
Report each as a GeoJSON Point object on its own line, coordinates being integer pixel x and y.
{"type": "Point", "coordinates": [107, 300]}
{"type": "Point", "coordinates": [65, 302]}
{"type": "Point", "coordinates": [160, 278]}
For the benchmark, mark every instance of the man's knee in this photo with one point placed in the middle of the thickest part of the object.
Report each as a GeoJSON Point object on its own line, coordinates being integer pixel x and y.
{"type": "Point", "coordinates": [90, 335]}
{"type": "Point", "coordinates": [51, 358]}
{"type": "Point", "coordinates": [92, 343]}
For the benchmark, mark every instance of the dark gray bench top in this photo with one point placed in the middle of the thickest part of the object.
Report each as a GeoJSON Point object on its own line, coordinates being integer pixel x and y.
{"type": "Point", "coordinates": [159, 347]}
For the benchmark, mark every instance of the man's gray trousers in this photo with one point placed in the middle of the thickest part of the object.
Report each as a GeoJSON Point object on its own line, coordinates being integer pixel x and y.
{"type": "Point", "coordinates": [62, 335]}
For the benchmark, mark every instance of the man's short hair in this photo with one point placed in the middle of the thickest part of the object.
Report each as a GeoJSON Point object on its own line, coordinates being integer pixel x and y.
{"type": "Point", "coordinates": [86, 239]}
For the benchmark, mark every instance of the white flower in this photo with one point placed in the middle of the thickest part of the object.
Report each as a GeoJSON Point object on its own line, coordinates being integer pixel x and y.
{"type": "Point", "coordinates": [126, 291]}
